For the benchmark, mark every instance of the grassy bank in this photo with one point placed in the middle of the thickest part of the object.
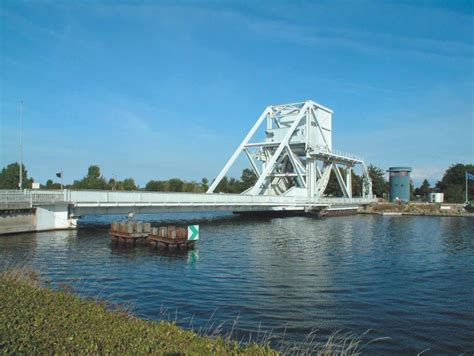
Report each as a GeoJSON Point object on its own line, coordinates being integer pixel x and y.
{"type": "Point", "coordinates": [42, 321]}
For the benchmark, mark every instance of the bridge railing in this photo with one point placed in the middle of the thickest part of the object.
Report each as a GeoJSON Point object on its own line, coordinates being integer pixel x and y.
{"type": "Point", "coordinates": [172, 198]}
{"type": "Point", "coordinates": [102, 197]}
{"type": "Point", "coordinates": [163, 198]}
{"type": "Point", "coordinates": [34, 197]}
{"type": "Point", "coordinates": [13, 196]}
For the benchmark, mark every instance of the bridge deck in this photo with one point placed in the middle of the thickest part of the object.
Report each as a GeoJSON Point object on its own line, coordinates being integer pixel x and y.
{"type": "Point", "coordinates": [90, 202]}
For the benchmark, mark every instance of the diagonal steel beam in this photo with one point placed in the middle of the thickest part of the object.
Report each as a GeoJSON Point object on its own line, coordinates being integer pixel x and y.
{"type": "Point", "coordinates": [238, 151]}
{"type": "Point", "coordinates": [342, 184]}
{"type": "Point", "coordinates": [295, 166]}
{"type": "Point", "coordinates": [271, 165]}
{"type": "Point", "coordinates": [252, 162]}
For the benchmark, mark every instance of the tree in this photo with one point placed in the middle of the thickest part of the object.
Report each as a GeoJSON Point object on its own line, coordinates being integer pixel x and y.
{"type": "Point", "coordinates": [379, 184]}
{"type": "Point", "coordinates": [156, 186]}
{"type": "Point", "coordinates": [356, 184]}
{"type": "Point", "coordinates": [423, 190]}
{"type": "Point", "coordinates": [10, 176]}
{"type": "Point", "coordinates": [248, 179]}
{"type": "Point", "coordinates": [127, 184]}
{"type": "Point", "coordinates": [223, 186]}
{"type": "Point", "coordinates": [175, 185]}
{"type": "Point", "coordinates": [191, 187]}
{"type": "Point", "coordinates": [93, 180]}
{"type": "Point", "coordinates": [51, 185]}
{"type": "Point", "coordinates": [453, 183]}
{"type": "Point", "coordinates": [204, 184]}
{"type": "Point", "coordinates": [93, 172]}
{"type": "Point", "coordinates": [333, 188]}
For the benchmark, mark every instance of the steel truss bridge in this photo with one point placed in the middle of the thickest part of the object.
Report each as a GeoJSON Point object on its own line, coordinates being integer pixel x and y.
{"type": "Point", "coordinates": [289, 149]}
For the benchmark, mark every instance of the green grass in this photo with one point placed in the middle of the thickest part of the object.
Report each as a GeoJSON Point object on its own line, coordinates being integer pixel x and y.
{"type": "Point", "coordinates": [39, 320]}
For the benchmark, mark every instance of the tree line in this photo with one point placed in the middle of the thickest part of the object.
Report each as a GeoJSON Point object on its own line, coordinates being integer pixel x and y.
{"type": "Point", "coordinates": [452, 184]}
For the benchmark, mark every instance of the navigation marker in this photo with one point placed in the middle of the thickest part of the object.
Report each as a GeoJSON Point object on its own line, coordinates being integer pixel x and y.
{"type": "Point", "coordinates": [193, 232]}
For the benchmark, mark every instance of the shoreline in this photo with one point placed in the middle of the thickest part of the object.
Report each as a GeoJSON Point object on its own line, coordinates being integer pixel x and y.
{"type": "Point", "coordinates": [397, 213]}
{"type": "Point", "coordinates": [415, 209]}
{"type": "Point", "coordinates": [42, 320]}
{"type": "Point", "coordinates": [36, 319]}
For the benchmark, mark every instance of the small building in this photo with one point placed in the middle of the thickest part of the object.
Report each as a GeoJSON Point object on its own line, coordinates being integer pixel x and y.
{"type": "Point", "coordinates": [399, 182]}
{"type": "Point", "coordinates": [436, 197]}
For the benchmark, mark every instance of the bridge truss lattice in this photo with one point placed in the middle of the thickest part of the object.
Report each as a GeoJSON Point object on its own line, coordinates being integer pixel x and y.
{"type": "Point", "coordinates": [296, 157]}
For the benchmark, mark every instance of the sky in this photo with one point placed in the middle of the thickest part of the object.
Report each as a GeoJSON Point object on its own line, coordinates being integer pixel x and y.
{"type": "Point", "coordinates": [154, 90]}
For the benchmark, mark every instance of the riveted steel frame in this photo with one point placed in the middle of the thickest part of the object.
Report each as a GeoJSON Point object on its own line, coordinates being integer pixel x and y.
{"type": "Point", "coordinates": [299, 164]}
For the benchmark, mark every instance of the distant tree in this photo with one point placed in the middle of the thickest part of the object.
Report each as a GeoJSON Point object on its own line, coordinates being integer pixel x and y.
{"type": "Point", "coordinates": [423, 190]}
{"type": "Point", "coordinates": [453, 183]}
{"type": "Point", "coordinates": [248, 179]}
{"type": "Point", "coordinates": [333, 189]}
{"type": "Point", "coordinates": [127, 184]}
{"type": "Point", "coordinates": [30, 182]}
{"type": "Point", "coordinates": [175, 185]}
{"type": "Point", "coordinates": [356, 185]}
{"type": "Point", "coordinates": [236, 186]}
{"type": "Point", "coordinates": [156, 186]}
{"type": "Point", "coordinates": [204, 184]}
{"type": "Point", "coordinates": [93, 180]}
{"type": "Point", "coordinates": [379, 183]}
{"type": "Point", "coordinates": [191, 187]}
{"type": "Point", "coordinates": [112, 184]}
{"type": "Point", "coordinates": [223, 186]}
{"type": "Point", "coordinates": [10, 176]}
{"type": "Point", "coordinates": [51, 185]}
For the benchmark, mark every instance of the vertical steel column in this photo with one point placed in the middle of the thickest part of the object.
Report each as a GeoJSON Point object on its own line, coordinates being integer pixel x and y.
{"type": "Point", "coordinates": [349, 181]}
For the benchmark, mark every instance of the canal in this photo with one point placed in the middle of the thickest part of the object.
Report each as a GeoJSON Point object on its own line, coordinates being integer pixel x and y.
{"type": "Point", "coordinates": [406, 278]}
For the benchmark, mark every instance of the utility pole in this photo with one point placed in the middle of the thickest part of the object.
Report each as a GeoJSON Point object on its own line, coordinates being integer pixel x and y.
{"type": "Point", "coordinates": [20, 185]}
{"type": "Point", "coordinates": [467, 197]}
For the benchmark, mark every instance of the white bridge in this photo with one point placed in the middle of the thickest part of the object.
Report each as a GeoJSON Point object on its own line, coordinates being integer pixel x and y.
{"type": "Point", "coordinates": [293, 164]}
{"type": "Point", "coordinates": [98, 202]}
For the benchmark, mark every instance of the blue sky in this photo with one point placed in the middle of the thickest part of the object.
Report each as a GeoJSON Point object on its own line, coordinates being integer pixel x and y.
{"type": "Point", "coordinates": [156, 90]}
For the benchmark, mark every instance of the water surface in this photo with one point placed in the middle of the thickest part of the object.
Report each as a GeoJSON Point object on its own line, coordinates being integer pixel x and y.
{"type": "Point", "coordinates": [407, 278]}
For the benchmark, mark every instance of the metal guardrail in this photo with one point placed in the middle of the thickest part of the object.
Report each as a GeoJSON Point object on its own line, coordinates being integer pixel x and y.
{"type": "Point", "coordinates": [34, 197]}
{"type": "Point", "coordinates": [13, 196]}
{"type": "Point", "coordinates": [132, 198]}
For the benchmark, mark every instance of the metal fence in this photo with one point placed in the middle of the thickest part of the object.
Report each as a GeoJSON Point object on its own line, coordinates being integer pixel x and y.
{"type": "Point", "coordinates": [84, 197]}
{"type": "Point", "coordinates": [31, 196]}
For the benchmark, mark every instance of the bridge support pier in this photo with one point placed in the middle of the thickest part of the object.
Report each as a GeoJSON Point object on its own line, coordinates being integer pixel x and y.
{"type": "Point", "coordinates": [18, 218]}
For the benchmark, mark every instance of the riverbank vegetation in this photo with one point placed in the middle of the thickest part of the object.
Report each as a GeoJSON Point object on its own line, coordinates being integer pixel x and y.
{"type": "Point", "coordinates": [36, 320]}
{"type": "Point", "coordinates": [452, 184]}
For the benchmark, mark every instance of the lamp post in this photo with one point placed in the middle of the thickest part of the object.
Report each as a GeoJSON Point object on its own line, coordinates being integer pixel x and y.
{"type": "Point", "coordinates": [20, 184]}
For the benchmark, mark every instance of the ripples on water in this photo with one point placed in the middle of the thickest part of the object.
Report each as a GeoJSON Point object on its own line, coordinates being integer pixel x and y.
{"type": "Point", "coordinates": [408, 278]}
